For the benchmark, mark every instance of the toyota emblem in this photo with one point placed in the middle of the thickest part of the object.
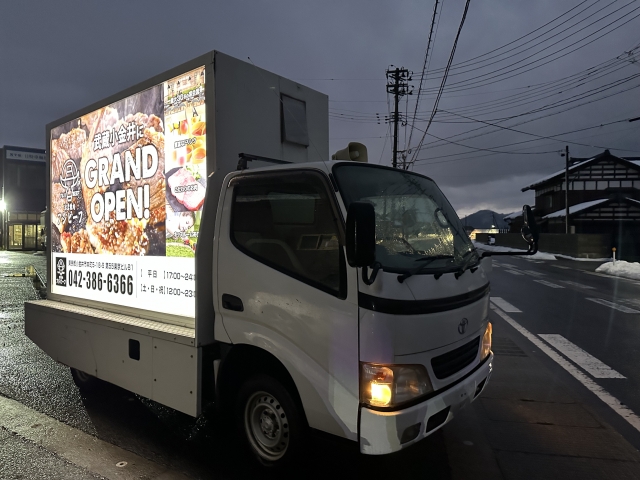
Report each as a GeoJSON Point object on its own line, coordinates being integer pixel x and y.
{"type": "Point", "coordinates": [462, 326]}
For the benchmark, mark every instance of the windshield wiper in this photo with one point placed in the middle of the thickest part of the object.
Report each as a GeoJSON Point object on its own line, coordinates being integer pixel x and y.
{"type": "Point", "coordinates": [427, 261]}
{"type": "Point", "coordinates": [463, 267]}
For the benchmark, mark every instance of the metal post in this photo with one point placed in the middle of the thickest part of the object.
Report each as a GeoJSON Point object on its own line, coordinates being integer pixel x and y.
{"type": "Point", "coordinates": [395, 119]}
{"type": "Point", "coordinates": [399, 88]}
{"type": "Point", "coordinates": [566, 188]}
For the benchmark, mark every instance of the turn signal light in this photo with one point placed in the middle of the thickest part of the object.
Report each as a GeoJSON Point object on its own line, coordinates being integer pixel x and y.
{"type": "Point", "coordinates": [486, 341]}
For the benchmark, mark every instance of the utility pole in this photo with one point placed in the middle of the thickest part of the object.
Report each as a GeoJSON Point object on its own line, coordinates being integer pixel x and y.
{"type": "Point", "coordinates": [398, 87]}
{"type": "Point", "coordinates": [566, 188]}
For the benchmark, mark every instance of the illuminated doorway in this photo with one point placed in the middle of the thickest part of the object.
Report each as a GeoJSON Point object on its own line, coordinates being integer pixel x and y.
{"type": "Point", "coordinates": [15, 237]}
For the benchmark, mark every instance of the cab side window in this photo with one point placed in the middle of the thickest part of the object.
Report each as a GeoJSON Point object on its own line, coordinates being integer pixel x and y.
{"type": "Point", "coordinates": [289, 222]}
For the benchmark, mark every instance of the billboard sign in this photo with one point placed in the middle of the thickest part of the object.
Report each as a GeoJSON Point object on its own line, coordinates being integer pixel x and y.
{"type": "Point", "coordinates": [127, 188]}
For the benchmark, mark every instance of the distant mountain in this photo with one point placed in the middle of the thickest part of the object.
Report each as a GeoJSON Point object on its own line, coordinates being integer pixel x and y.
{"type": "Point", "coordinates": [484, 219]}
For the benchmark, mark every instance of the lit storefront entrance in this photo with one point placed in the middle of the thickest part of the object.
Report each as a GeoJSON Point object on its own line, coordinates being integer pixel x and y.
{"type": "Point", "coordinates": [22, 237]}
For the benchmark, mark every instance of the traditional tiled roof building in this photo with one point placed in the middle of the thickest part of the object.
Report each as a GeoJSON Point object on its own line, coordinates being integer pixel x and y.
{"type": "Point", "coordinates": [603, 197]}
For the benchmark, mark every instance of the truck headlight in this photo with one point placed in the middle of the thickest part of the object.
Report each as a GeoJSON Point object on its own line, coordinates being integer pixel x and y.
{"type": "Point", "coordinates": [486, 342]}
{"type": "Point", "coordinates": [392, 385]}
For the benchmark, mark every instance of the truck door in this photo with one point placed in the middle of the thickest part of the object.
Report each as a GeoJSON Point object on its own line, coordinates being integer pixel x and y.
{"type": "Point", "coordinates": [283, 285]}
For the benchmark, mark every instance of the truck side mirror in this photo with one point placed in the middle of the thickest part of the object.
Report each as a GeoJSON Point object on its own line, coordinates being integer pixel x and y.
{"type": "Point", "coordinates": [530, 227]}
{"type": "Point", "coordinates": [361, 234]}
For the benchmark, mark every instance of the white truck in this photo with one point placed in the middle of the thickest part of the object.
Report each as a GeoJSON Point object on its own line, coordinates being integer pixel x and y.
{"type": "Point", "coordinates": [203, 248]}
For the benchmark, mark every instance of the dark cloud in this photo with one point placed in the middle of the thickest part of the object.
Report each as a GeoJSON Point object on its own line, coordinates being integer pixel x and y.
{"type": "Point", "coordinates": [60, 56]}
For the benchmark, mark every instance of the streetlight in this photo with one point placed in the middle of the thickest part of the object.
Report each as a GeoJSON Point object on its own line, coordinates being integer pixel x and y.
{"type": "Point", "coordinates": [3, 210]}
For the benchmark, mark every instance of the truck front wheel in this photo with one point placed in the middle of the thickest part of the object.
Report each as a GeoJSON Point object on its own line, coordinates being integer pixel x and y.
{"type": "Point", "coordinates": [270, 421]}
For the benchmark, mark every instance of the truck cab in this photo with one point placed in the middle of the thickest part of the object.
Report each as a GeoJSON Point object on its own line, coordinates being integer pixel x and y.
{"type": "Point", "coordinates": [383, 361]}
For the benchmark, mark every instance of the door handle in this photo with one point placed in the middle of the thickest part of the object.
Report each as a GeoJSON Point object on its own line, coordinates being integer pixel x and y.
{"type": "Point", "coordinates": [231, 302]}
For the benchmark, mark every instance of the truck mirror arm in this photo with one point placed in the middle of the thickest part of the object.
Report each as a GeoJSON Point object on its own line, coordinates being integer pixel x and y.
{"type": "Point", "coordinates": [375, 268]}
{"type": "Point", "coordinates": [533, 249]}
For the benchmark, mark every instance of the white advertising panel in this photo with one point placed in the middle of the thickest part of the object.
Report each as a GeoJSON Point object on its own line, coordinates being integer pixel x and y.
{"type": "Point", "coordinates": [127, 189]}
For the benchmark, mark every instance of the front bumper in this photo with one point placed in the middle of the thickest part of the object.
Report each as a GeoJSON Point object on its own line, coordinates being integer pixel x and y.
{"type": "Point", "coordinates": [388, 432]}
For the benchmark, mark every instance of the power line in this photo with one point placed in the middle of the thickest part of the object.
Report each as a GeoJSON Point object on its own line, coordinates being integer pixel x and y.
{"type": "Point", "coordinates": [463, 85]}
{"type": "Point", "coordinates": [530, 120]}
{"type": "Point", "coordinates": [564, 30]}
{"type": "Point", "coordinates": [467, 62]}
{"type": "Point", "coordinates": [548, 137]}
{"type": "Point", "coordinates": [577, 97]}
{"type": "Point", "coordinates": [551, 137]}
{"type": "Point", "coordinates": [424, 71]}
{"type": "Point", "coordinates": [446, 73]}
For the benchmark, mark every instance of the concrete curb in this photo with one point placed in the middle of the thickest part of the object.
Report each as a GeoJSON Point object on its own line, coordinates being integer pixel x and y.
{"type": "Point", "coordinates": [78, 448]}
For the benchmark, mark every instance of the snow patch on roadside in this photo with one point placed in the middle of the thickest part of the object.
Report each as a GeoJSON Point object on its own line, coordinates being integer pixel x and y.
{"type": "Point", "coordinates": [621, 269]}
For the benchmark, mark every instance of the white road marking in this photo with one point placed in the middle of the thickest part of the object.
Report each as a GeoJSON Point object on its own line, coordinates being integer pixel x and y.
{"type": "Point", "coordinates": [548, 284]}
{"type": "Point", "coordinates": [615, 306]}
{"type": "Point", "coordinates": [513, 271]}
{"type": "Point", "coordinates": [504, 305]}
{"type": "Point", "coordinates": [587, 362]}
{"type": "Point", "coordinates": [562, 267]}
{"type": "Point", "coordinates": [533, 273]}
{"type": "Point", "coordinates": [634, 302]}
{"type": "Point", "coordinates": [622, 410]}
{"type": "Point", "coordinates": [613, 277]}
{"type": "Point", "coordinates": [599, 274]}
{"type": "Point", "coordinates": [576, 284]}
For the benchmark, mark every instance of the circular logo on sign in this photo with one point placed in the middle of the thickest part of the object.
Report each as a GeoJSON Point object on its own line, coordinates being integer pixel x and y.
{"type": "Point", "coordinates": [70, 176]}
{"type": "Point", "coordinates": [462, 326]}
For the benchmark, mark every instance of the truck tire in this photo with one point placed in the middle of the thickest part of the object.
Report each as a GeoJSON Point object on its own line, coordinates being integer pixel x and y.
{"type": "Point", "coordinates": [85, 382]}
{"type": "Point", "coordinates": [270, 422]}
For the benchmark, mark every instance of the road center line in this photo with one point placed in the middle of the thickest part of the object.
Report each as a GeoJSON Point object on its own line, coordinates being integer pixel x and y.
{"type": "Point", "coordinates": [562, 267]}
{"type": "Point", "coordinates": [548, 284]}
{"type": "Point", "coordinates": [504, 305]}
{"type": "Point", "coordinates": [622, 410]}
{"type": "Point", "coordinates": [615, 306]}
{"type": "Point", "coordinates": [576, 284]}
{"type": "Point", "coordinates": [589, 363]}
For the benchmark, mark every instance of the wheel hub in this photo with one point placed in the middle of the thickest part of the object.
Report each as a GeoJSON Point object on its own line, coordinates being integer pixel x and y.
{"type": "Point", "coordinates": [267, 426]}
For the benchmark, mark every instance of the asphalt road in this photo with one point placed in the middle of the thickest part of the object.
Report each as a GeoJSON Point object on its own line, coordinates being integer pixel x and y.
{"type": "Point", "coordinates": [198, 448]}
{"type": "Point", "coordinates": [568, 305]}
{"type": "Point", "coordinates": [552, 298]}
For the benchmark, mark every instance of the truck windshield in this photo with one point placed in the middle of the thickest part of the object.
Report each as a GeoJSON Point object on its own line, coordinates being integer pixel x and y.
{"type": "Point", "coordinates": [415, 224]}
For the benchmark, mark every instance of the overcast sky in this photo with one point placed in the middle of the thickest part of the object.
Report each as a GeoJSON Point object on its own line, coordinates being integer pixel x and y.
{"type": "Point", "coordinates": [59, 56]}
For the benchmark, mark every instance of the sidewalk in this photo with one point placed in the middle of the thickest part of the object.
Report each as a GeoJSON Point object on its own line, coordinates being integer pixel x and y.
{"type": "Point", "coordinates": [34, 446]}
{"type": "Point", "coordinates": [527, 424]}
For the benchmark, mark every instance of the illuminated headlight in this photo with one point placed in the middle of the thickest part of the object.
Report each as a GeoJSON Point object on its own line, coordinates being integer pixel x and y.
{"type": "Point", "coordinates": [392, 385]}
{"type": "Point", "coordinates": [486, 342]}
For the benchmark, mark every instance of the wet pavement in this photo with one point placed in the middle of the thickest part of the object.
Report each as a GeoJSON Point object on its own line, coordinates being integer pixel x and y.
{"type": "Point", "coordinates": [533, 421]}
{"type": "Point", "coordinates": [197, 448]}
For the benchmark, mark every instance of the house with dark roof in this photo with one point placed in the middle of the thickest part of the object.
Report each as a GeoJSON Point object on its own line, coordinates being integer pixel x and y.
{"type": "Point", "coordinates": [603, 197]}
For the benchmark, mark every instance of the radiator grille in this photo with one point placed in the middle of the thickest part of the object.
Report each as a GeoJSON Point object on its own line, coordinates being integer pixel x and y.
{"type": "Point", "coordinates": [451, 362]}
